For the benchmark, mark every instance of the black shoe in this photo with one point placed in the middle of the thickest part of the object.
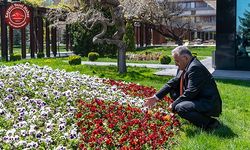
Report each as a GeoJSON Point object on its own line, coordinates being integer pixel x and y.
{"type": "Point", "coordinates": [214, 124]}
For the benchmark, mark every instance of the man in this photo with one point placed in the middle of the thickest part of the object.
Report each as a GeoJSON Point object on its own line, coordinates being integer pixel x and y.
{"type": "Point", "coordinates": [194, 91]}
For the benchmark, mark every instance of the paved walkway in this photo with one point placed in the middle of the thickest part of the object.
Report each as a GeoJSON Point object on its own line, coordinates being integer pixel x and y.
{"type": "Point", "coordinates": [170, 70]}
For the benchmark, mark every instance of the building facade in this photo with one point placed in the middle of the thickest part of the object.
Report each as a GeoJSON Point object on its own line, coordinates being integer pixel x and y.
{"type": "Point", "coordinates": [203, 17]}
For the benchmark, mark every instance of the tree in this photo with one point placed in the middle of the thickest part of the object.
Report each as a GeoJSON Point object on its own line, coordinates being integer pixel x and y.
{"type": "Point", "coordinates": [164, 16]}
{"type": "Point", "coordinates": [34, 2]}
{"type": "Point", "coordinates": [129, 36]}
{"type": "Point", "coordinates": [91, 14]}
{"type": "Point", "coordinates": [244, 27]}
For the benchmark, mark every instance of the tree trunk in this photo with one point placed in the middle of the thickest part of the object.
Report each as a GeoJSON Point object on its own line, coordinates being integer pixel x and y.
{"type": "Point", "coordinates": [4, 38]}
{"type": "Point", "coordinates": [53, 41]}
{"type": "Point", "coordinates": [32, 35]}
{"type": "Point", "coordinates": [23, 31]}
{"type": "Point", "coordinates": [11, 40]}
{"type": "Point", "coordinates": [47, 39]}
{"type": "Point", "coordinates": [122, 68]}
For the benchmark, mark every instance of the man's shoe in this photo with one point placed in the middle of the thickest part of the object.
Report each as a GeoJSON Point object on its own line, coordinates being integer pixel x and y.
{"type": "Point", "coordinates": [214, 124]}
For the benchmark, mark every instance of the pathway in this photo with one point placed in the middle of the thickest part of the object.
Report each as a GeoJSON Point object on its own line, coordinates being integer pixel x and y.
{"type": "Point", "coordinates": [170, 70]}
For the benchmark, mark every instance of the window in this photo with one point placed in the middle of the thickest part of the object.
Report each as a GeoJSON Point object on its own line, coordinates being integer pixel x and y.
{"type": "Point", "coordinates": [188, 5]}
{"type": "Point", "coordinates": [200, 5]}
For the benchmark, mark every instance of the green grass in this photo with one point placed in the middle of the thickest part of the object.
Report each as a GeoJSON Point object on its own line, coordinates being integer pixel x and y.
{"type": "Point", "coordinates": [106, 59]}
{"type": "Point", "coordinates": [235, 132]}
{"type": "Point", "coordinates": [18, 49]}
{"type": "Point", "coordinates": [202, 53]}
{"type": "Point", "coordinates": [200, 50]}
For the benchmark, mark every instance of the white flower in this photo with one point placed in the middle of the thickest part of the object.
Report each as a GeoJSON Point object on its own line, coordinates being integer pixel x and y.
{"type": "Point", "coordinates": [9, 97]}
{"type": "Point", "coordinates": [16, 138]}
{"type": "Point", "coordinates": [2, 112]}
{"type": "Point", "coordinates": [61, 148]}
{"type": "Point", "coordinates": [21, 143]}
{"type": "Point", "coordinates": [44, 113]}
{"type": "Point", "coordinates": [32, 144]}
{"type": "Point", "coordinates": [61, 126]}
{"type": "Point", "coordinates": [32, 131]}
{"type": "Point", "coordinates": [73, 134]}
{"type": "Point", "coordinates": [62, 120]}
{"type": "Point", "coordinates": [11, 132]}
{"type": "Point", "coordinates": [23, 133]}
{"type": "Point", "coordinates": [22, 124]}
{"type": "Point", "coordinates": [9, 90]}
{"type": "Point", "coordinates": [48, 140]}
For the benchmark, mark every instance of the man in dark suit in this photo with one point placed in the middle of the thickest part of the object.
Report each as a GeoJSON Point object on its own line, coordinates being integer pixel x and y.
{"type": "Point", "coordinates": [194, 91]}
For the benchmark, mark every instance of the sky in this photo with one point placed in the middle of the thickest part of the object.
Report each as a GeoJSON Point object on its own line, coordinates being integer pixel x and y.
{"type": "Point", "coordinates": [242, 6]}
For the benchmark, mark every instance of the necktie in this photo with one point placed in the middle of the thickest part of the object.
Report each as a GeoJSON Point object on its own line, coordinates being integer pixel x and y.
{"type": "Point", "coordinates": [181, 82]}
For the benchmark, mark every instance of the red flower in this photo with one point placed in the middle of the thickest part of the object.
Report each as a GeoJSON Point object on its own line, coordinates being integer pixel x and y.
{"type": "Point", "coordinates": [79, 115]}
{"type": "Point", "coordinates": [108, 141]}
{"type": "Point", "coordinates": [103, 123]}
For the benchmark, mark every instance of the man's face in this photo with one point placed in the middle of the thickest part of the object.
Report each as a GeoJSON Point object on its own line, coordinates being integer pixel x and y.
{"type": "Point", "coordinates": [180, 61]}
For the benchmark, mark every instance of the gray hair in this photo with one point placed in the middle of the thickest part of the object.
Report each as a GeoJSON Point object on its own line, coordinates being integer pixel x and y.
{"type": "Point", "coordinates": [181, 50]}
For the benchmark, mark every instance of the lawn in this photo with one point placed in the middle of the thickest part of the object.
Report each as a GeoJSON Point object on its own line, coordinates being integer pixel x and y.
{"type": "Point", "coordinates": [235, 132]}
{"type": "Point", "coordinates": [201, 52]}
{"type": "Point", "coordinates": [17, 49]}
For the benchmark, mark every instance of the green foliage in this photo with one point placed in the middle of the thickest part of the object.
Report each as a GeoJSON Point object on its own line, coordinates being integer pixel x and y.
{"type": "Point", "coordinates": [40, 55]}
{"type": "Point", "coordinates": [93, 56]}
{"type": "Point", "coordinates": [164, 59]}
{"type": "Point", "coordinates": [244, 24]}
{"type": "Point", "coordinates": [83, 40]}
{"type": "Point", "coordinates": [35, 3]}
{"type": "Point", "coordinates": [75, 60]}
{"type": "Point", "coordinates": [15, 57]}
{"type": "Point", "coordinates": [129, 36]}
{"type": "Point", "coordinates": [16, 37]}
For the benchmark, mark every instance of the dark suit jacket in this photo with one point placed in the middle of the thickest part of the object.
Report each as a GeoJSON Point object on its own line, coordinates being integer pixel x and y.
{"type": "Point", "coordinates": [199, 85]}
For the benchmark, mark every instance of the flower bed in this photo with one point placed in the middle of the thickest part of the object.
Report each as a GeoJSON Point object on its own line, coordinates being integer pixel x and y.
{"type": "Point", "coordinates": [109, 125]}
{"type": "Point", "coordinates": [40, 108]}
{"type": "Point", "coordinates": [141, 57]}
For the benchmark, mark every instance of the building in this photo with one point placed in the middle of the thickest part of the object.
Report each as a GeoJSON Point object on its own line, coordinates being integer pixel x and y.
{"type": "Point", "coordinates": [202, 14]}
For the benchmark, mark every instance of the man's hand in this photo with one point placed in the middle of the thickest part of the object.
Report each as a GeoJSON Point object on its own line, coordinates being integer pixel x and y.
{"type": "Point", "coordinates": [150, 102]}
{"type": "Point", "coordinates": [170, 107]}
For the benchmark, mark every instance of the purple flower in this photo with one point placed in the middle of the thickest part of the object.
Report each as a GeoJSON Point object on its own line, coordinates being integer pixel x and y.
{"type": "Point", "coordinates": [61, 126]}
{"type": "Point", "coordinates": [39, 135]}
{"type": "Point", "coordinates": [24, 133]}
{"type": "Point", "coordinates": [2, 112]}
{"type": "Point", "coordinates": [9, 90]}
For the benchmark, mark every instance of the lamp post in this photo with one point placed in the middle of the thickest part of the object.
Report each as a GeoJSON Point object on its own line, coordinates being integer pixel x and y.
{"type": "Point", "coordinates": [4, 40]}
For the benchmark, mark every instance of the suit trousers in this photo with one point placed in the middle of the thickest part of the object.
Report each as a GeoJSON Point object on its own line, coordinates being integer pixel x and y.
{"type": "Point", "coordinates": [194, 112]}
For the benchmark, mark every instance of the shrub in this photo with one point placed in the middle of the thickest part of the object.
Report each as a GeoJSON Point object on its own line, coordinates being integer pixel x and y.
{"type": "Point", "coordinates": [82, 40]}
{"type": "Point", "coordinates": [40, 55]}
{"type": "Point", "coordinates": [93, 56]}
{"type": "Point", "coordinates": [75, 60]}
{"type": "Point", "coordinates": [164, 59]}
{"type": "Point", "coordinates": [15, 57]}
